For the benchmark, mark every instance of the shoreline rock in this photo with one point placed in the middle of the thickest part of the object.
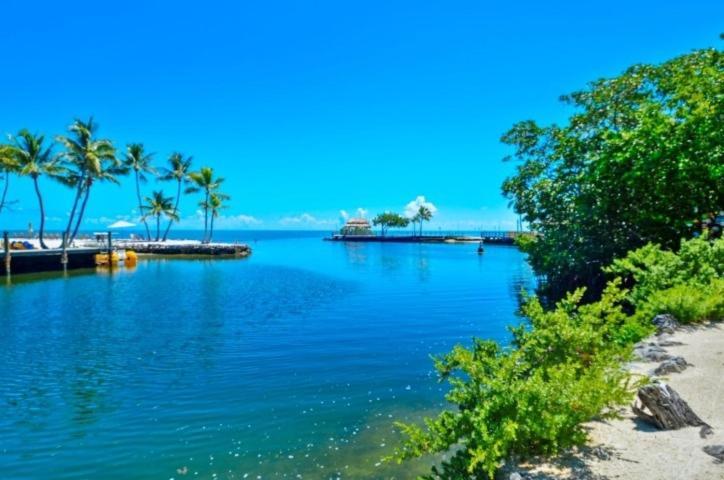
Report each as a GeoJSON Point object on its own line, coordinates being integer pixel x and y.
{"type": "Point", "coordinates": [193, 249]}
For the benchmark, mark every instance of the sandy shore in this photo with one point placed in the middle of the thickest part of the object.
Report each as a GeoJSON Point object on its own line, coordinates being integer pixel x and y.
{"type": "Point", "coordinates": [631, 449]}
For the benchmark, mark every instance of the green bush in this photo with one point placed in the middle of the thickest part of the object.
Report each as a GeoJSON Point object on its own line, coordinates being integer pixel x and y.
{"type": "Point", "coordinates": [689, 303]}
{"type": "Point", "coordinates": [563, 370]}
{"type": "Point", "coordinates": [653, 270]}
{"type": "Point", "coordinates": [686, 284]}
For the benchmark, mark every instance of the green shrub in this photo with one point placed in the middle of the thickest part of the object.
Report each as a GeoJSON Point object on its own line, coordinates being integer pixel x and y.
{"type": "Point", "coordinates": [652, 269]}
{"type": "Point", "coordinates": [563, 370]}
{"type": "Point", "coordinates": [689, 303]}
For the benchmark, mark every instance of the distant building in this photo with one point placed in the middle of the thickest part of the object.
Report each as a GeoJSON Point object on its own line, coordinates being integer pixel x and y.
{"type": "Point", "coordinates": [357, 226]}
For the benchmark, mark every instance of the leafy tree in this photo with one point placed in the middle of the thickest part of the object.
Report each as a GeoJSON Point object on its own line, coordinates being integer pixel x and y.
{"type": "Point", "coordinates": [214, 205]}
{"type": "Point", "coordinates": [179, 172]}
{"type": "Point", "coordinates": [8, 165]}
{"type": "Point", "coordinates": [637, 162]}
{"type": "Point", "coordinates": [390, 220]}
{"type": "Point", "coordinates": [88, 160]}
{"type": "Point", "coordinates": [139, 162]}
{"type": "Point", "coordinates": [157, 205]}
{"type": "Point", "coordinates": [204, 181]}
{"type": "Point", "coordinates": [34, 160]}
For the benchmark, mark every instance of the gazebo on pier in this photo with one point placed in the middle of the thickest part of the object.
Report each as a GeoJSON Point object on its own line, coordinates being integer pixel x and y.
{"type": "Point", "coordinates": [357, 226]}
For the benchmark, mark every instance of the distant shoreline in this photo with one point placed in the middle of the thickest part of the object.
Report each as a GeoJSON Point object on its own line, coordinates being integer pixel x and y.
{"type": "Point", "coordinates": [503, 239]}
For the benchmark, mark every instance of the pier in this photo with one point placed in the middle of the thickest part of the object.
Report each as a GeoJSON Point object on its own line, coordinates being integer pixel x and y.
{"type": "Point", "coordinates": [488, 237]}
{"type": "Point", "coordinates": [83, 253]}
{"type": "Point", "coordinates": [54, 259]}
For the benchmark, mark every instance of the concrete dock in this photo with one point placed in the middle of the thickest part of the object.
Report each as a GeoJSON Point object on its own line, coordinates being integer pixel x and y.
{"type": "Point", "coordinates": [33, 261]}
{"type": "Point", "coordinates": [497, 238]}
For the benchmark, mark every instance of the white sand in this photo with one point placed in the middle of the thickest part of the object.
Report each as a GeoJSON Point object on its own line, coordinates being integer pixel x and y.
{"type": "Point", "coordinates": [638, 451]}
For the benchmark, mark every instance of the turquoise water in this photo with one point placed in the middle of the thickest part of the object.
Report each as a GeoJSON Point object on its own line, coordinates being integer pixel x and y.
{"type": "Point", "coordinates": [292, 363]}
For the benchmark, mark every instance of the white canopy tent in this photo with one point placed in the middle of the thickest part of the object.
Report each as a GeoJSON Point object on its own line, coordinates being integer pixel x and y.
{"type": "Point", "coordinates": [121, 224]}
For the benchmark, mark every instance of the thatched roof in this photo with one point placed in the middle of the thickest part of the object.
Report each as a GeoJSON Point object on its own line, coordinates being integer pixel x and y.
{"type": "Point", "coordinates": [357, 223]}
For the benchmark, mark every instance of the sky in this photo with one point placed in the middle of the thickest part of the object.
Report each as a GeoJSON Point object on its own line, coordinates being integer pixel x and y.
{"type": "Point", "coordinates": [318, 109]}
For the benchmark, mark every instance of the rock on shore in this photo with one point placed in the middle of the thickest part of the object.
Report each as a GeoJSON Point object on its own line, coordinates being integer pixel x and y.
{"type": "Point", "coordinates": [187, 248]}
{"type": "Point", "coordinates": [638, 451]}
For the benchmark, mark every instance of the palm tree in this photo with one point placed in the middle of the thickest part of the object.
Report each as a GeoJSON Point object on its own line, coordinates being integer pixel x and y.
{"type": "Point", "coordinates": [204, 180]}
{"type": "Point", "coordinates": [137, 160]}
{"type": "Point", "coordinates": [214, 204]}
{"type": "Point", "coordinates": [34, 160]}
{"type": "Point", "coordinates": [179, 172]}
{"type": "Point", "coordinates": [88, 160]}
{"type": "Point", "coordinates": [157, 205]}
{"type": "Point", "coordinates": [414, 220]}
{"type": "Point", "coordinates": [424, 214]}
{"type": "Point", "coordinates": [8, 165]}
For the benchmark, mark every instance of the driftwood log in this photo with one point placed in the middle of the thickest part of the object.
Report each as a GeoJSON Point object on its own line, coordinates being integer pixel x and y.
{"type": "Point", "coordinates": [662, 407]}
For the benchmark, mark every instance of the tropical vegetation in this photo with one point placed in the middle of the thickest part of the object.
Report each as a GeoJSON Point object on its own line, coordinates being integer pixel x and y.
{"type": "Point", "coordinates": [641, 160]}
{"type": "Point", "coordinates": [178, 172]}
{"type": "Point", "coordinates": [84, 159]}
{"type": "Point", "coordinates": [139, 162]}
{"type": "Point", "coordinates": [206, 182]}
{"type": "Point", "coordinates": [214, 205]}
{"type": "Point", "coordinates": [34, 159]}
{"type": "Point", "coordinates": [89, 160]}
{"type": "Point", "coordinates": [389, 220]}
{"type": "Point", "coordinates": [157, 205]}
{"type": "Point", "coordinates": [8, 165]}
{"type": "Point", "coordinates": [424, 214]}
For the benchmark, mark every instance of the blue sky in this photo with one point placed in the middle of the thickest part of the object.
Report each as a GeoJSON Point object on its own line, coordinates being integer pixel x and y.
{"type": "Point", "coordinates": [309, 108]}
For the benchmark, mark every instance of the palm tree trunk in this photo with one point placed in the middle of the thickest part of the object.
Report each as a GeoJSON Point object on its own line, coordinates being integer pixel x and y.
{"type": "Point", "coordinates": [79, 191]}
{"type": "Point", "coordinates": [82, 211]}
{"type": "Point", "coordinates": [175, 211]}
{"type": "Point", "coordinates": [211, 230]}
{"type": "Point", "coordinates": [158, 226]}
{"type": "Point", "coordinates": [5, 190]}
{"type": "Point", "coordinates": [42, 213]}
{"type": "Point", "coordinates": [206, 215]}
{"type": "Point", "coordinates": [140, 207]}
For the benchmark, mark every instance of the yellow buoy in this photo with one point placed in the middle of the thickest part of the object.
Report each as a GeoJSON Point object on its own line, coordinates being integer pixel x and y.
{"type": "Point", "coordinates": [131, 258]}
{"type": "Point", "coordinates": [102, 259]}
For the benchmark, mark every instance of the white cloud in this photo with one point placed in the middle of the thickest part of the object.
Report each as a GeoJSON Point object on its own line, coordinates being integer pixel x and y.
{"type": "Point", "coordinates": [343, 215]}
{"type": "Point", "coordinates": [412, 207]}
{"type": "Point", "coordinates": [304, 219]}
{"type": "Point", "coordinates": [362, 212]}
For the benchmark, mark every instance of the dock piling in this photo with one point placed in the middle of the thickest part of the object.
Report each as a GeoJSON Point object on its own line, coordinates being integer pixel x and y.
{"type": "Point", "coordinates": [64, 253]}
{"type": "Point", "coordinates": [6, 246]}
{"type": "Point", "coordinates": [110, 252]}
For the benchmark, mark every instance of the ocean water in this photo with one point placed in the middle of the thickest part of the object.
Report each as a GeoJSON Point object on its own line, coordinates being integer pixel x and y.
{"type": "Point", "coordinates": [292, 363]}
